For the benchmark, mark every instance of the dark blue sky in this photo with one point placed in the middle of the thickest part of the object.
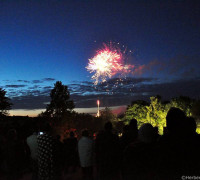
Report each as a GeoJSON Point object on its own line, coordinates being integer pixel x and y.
{"type": "Point", "coordinates": [54, 39]}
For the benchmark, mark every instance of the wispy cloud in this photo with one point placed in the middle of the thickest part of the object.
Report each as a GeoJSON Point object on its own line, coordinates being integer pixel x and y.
{"type": "Point", "coordinates": [49, 79]}
{"type": "Point", "coordinates": [152, 67]}
{"type": "Point", "coordinates": [179, 65]}
{"type": "Point", "coordinates": [37, 81]}
{"type": "Point", "coordinates": [24, 81]}
{"type": "Point", "coordinates": [15, 86]}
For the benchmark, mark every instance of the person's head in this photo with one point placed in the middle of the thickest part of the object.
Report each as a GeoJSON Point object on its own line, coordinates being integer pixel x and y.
{"type": "Point", "coordinates": [175, 120]}
{"type": "Point", "coordinates": [146, 133]}
{"type": "Point", "coordinates": [85, 133]}
{"type": "Point", "coordinates": [108, 126]}
{"type": "Point", "coordinates": [133, 124]}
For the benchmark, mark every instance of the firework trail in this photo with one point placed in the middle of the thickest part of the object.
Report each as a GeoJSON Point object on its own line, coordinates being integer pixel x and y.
{"type": "Point", "coordinates": [108, 61]}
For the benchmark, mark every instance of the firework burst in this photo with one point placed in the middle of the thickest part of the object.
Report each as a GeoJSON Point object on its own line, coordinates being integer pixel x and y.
{"type": "Point", "coordinates": [108, 61]}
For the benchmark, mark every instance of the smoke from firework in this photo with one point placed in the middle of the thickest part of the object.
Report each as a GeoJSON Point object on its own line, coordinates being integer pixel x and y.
{"type": "Point", "coordinates": [108, 61]}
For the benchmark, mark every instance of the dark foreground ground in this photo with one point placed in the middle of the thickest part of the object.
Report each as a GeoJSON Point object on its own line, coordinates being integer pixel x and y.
{"type": "Point", "coordinates": [66, 176]}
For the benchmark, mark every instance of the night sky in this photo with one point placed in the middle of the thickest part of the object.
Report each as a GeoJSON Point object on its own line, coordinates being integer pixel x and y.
{"type": "Point", "coordinates": [42, 42]}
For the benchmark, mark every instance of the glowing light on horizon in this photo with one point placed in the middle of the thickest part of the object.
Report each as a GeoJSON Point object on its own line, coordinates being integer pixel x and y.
{"type": "Point", "coordinates": [98, 112]}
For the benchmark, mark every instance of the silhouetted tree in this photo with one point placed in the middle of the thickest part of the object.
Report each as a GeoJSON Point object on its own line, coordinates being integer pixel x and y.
{"type": "Point", "coordinates": [5, 105]}
{"type": "Point", "coordinates": [60, 103]}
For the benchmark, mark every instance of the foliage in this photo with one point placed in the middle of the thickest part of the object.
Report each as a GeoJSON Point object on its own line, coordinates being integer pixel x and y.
{"type": "Point", "coordinates": [5, 105]}
{"type": "Point", "coordinates": [156, 112]}
{"type": "Point", "coordinates": [138, 111]}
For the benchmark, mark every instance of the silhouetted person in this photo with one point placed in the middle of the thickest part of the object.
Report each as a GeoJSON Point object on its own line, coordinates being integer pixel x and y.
{"type": "Point", "coordinates": [192, 142]}
{"type": "Point", "coordinates": [48, 155]}
{"type": "Point", "coordinates": [71, 152]}
{"type": "Point", "coordinates": [133, 129]}
{"type": "Point", "coordinates": [15, 154]}
{"type": "Point", "coordinates": [139, 156]}
{"type": "Point", "coordinates": [125, 138]}
{"type": "Point", "coordinates": [175, 121]}
{"type": "Point", "coordinates": [130, 133]}
{"type": "Point", "coordinates": [177, 153]}
{"type": "Point", "coordinates": [108, 154]}
{"type": "Point", "coordinates": [86, 150]}
{"type": "Point", "coordinates": [59, 151]}
{"type": "Point", "coordinates": [33, 146]}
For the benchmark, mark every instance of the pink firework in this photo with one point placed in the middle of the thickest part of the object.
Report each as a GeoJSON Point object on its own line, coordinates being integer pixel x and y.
{"type": "Point", "coordinates": [108, 62]}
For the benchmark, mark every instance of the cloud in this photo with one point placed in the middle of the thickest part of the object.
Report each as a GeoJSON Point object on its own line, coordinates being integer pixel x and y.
{"type": "Point", "coordinates": [148, 68]}
{"type": "Point", "coordinates": [24, 81]}
{"type": "Point", "coordinates": [115, 85]}
{"type": "Point", "coordinates": [49, 79]}
{"type": "Point", "coordinates": [128, 80]}
{"type": "Point", "coordinates": [29, 102]}
{"type": "Point", "coordinates": [37, 81]}
{"type": "Point", "coordinates": [179, 65]}
{"type": "Point", "coordinates": [48, 87]}
{"type": "Point", "coordinates": [43, 80]}
{"type": "Point", "coordinates": [15, 86]}
{"type": "Point", "coordinates": [34, 87]}
{"type": "Point", "coordinates": [84, 93]}
{"type": "Point", "coordinates": [123, 94]}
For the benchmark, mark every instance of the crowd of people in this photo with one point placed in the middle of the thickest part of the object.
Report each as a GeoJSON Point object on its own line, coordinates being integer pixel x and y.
{"type": "Point", "coordinates": [137, 154]}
